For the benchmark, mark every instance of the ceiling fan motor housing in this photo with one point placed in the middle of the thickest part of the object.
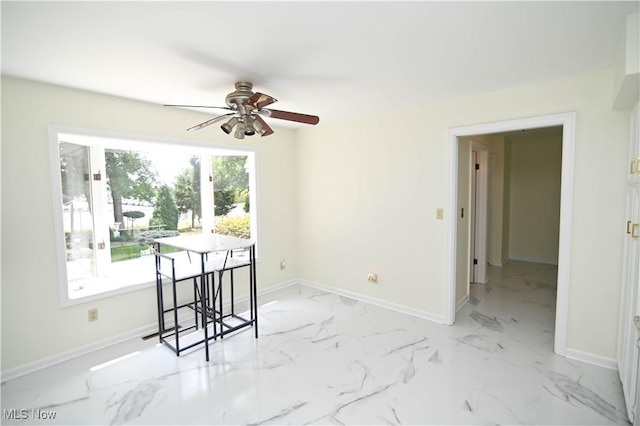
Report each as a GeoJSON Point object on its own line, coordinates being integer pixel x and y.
{"type": "Point", "coordinates": [237, 99]}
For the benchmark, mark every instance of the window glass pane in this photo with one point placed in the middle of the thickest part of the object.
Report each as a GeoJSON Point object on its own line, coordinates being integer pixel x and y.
{"type": "Point", "coordinates": [76, 212]}
{"type": "Point", "coordinates": [131, 188]}
{"type": "Point", "coordinates": [187, 193]}
{"type": "Point", "coordinates": [231, 195]}
{"type": "Point", "coordinates": [151, 194]}
{"type": "Point", "coordinates": [145, 191]}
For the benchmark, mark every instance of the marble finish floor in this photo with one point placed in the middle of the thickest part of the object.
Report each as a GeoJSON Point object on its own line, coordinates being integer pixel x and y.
{"type": "Point", "coordinates": [327, 359]}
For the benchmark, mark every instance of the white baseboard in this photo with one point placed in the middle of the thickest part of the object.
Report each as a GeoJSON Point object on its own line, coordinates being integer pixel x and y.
{"type": "Point", "coordinates": [589, 358]}
{"type": "Point", "coordinates": [31, 367]}
{"type": "Point", "coordinates": [531, 260]}
{"type": "Point", "coordinates": [462, 302]}
{"type": "Point", "coordinates": [137, 333]}
{"type": "Point", "coordinates": [276, 287]}
{"type": "Point", "coordinates": [378, 302]}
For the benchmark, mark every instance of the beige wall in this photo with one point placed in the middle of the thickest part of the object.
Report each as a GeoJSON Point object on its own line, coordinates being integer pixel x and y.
{"type": "Point", "coordinates": [368, 192]}
{"type": "Point", "coordinates": [337, 201]}
{"type": "Point", "coordinates": [33, 324]}
{"type": "Point", "coordinates": [534, 205]}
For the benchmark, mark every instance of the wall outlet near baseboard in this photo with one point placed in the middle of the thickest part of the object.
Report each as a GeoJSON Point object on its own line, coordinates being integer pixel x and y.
{"type": "Point", "coordinates": [372, 277]}
{"type": "Point", "coordinates": [283, 264]}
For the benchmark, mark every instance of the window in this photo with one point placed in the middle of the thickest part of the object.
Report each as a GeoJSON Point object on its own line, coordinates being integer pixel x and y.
{"type": "Point", "coordinates": [116, 195]}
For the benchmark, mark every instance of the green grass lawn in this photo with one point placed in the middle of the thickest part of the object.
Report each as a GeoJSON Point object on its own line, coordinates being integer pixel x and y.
{"type": "Point", "coordinates": [126, 252]}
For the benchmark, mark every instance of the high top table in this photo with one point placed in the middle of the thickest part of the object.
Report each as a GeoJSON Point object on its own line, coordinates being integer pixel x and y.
{"type": "Point", "coordinates": [216, 255]}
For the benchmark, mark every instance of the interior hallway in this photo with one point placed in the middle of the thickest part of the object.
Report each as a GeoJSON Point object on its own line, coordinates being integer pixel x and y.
{"type": "Point", "coordinates": [326, 359]}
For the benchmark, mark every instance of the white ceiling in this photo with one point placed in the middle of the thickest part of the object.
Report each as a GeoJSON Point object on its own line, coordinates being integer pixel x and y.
{"type": "Point", "coordinates": [337, 60]}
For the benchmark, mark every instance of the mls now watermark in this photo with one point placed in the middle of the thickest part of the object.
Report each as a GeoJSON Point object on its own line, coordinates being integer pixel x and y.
{"type": "Point", "coordinates": [28, 414]}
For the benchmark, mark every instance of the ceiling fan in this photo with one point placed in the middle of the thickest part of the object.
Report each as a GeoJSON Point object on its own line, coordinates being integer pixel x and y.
{"type": "Point", "coordinates": [247, 109]}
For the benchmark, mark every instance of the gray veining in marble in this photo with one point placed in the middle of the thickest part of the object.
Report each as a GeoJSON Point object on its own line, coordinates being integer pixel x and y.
{"type": "Point", "coordinates": [132, 404]}
{"type": "Point", "coordinates": [485, 321]}
{"type": "Point", "coordinates": [435, 358]}
{"type": "Point", "coordinates": [322, 358]}
{"type": "Point", "coordinates": [573, 390]}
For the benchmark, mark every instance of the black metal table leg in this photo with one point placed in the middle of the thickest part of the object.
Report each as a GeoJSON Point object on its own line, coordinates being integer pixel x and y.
{"type": "Point", "coordinates": [220, 274]}
{"type": "Point", "coordinates": [253, 283]}
{"type": "Point", "coordinates": [204, 306]}
{"type": "Point", "coordinates": [195, 301]}
{"type": "Point", "coordinates": [159, 299]}
{"type": "Point", "coordinates": [175, 309]}
{"type": "Point", "coordinates": [233, 311]}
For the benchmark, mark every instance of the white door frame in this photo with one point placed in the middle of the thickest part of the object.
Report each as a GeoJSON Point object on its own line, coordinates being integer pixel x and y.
{"type": "Point", "coordinates": [567, 121]}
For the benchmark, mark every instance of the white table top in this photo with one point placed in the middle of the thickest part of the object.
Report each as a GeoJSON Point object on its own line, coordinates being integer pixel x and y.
{"type": "Point", "coordinates": [206, 243]}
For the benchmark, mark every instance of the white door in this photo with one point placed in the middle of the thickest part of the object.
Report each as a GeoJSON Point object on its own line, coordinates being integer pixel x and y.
{"type": "Point", "coordinates": [473, 259]}
{"type": "Point", "coordinates": [478, 214]}
{"type": "Point", "coordinates": [628, 333]}
{"type": "Point", "coordinates": [629, 323]}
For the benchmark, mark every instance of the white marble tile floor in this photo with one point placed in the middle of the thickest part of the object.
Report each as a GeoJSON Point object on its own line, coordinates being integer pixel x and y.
{"type": "Point", "coordinates": [326, 359]}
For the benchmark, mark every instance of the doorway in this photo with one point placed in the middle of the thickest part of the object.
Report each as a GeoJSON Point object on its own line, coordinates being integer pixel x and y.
{"type": "Point", "coordinates": [567, 122]}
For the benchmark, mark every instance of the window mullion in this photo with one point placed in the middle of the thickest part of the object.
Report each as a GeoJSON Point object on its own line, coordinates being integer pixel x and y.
{"type": "Point", "coordinates": [101, 240]}
{"type": "Point", "coordinates": [253, 195]}
{"type": "Point", "coordinates": [206, 191]}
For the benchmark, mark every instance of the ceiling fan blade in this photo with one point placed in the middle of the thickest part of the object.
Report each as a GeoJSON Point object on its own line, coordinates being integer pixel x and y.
{"type": "Point", "coordinates": [290, 116]}
{"type": "Point", "coordinates": [198, 106]}
{"type": "Point", "coordinates": [210, 122]}
{"type": "Point", "coordinates": [260, 100]}
{"type": "Point", "coordinates": [268, 130]}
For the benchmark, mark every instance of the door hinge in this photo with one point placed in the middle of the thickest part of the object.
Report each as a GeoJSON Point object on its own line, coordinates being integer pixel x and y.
{"type": "Point", "coordinates": [475, 261]}
{"type": "Point", "coordinates": [477, 166]}
{"type": "Point", "coordinates": [97, 176]}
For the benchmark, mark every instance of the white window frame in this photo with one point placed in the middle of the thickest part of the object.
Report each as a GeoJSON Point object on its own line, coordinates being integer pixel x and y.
{"type": "Point", "coordinates": [97, 142]}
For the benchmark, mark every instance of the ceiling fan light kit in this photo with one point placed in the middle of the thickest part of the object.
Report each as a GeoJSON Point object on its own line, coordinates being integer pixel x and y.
{"type": "Point", "coordinates": [261, 127]}
{"type": "Point", "coordinates": [229, 125]}
{"type": "Point", "coordinates": [239, 130]}
{"type": "Point", "coordinates": [247, 108]}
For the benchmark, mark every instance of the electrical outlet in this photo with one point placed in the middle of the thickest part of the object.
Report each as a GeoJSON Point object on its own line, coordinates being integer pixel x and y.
{"type": "Point", "coordinates": [283, 264]}
{"type": "Point", "coordinates": [439, 214]}
{"type": "Point", "coordinates": [372, 277]}
{"type": "Point", "coordinates": [93, 314]}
